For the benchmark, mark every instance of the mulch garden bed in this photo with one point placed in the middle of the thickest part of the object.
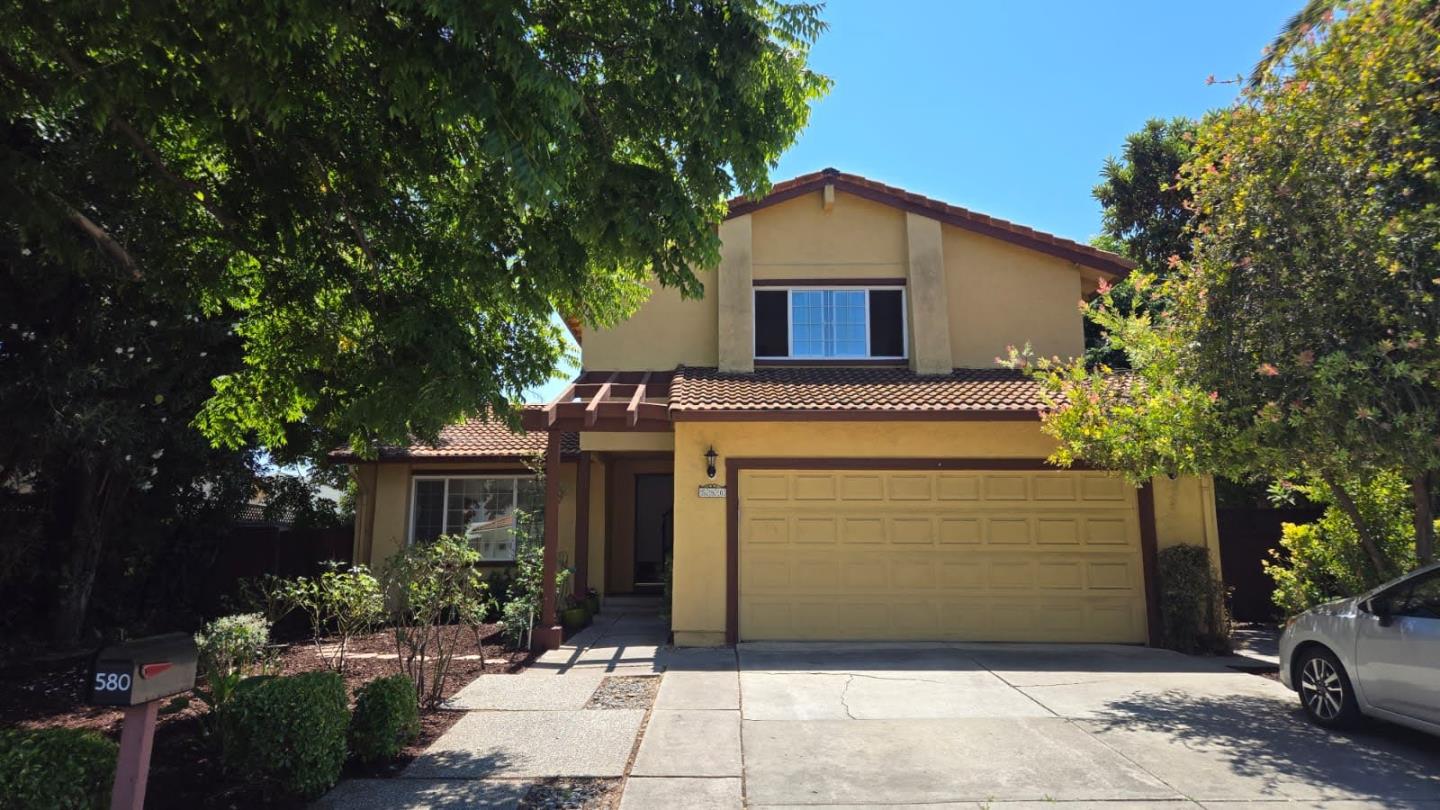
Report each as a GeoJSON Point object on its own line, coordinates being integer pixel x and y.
{"type": "Point", "coordinates": [185, 768]}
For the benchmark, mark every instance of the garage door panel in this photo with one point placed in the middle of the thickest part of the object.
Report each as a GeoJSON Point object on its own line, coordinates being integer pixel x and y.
{"type": "Point", "coordinates": [1045, 556]}
{"type": "Point", "coordinates": [812, 530]}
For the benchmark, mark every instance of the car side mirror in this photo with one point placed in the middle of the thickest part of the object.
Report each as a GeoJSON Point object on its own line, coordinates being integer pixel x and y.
{"type": "Point", "coordinates": [1384, 615]}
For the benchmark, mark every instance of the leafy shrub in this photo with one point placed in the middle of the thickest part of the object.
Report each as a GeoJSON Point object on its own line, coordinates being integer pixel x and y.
{"type": "Point", "coordinates": [441, 595]}
{"type": "Point", "coordinates": [345, 600]}
{"type": "Point", "coordinates": [287, 733]}
{"type": "Point", "coordinates": [523, 609]}
{"type": "Point", "coordinates": [385, 720]}
{"type": "Point", "coordinates": [1192, 602]}
{"type": "Point", "coordinates": [230, 648]}
{"type": "Point", "coordinates": [1323, 560]}
{"type": "Point", "coordinates": [59, 768]}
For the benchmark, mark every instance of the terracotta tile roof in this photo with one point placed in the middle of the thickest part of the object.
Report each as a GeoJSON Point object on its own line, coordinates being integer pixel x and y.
{"type": "Point", "coordinates": [477, 439]}
{"type": "Point", "coordinates": [896, 390]}
{"type": "Point", "coordinates": [1078, 252]}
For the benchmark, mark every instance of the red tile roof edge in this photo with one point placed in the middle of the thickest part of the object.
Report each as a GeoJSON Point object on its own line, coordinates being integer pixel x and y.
{"type": "Point", "coordinates": [1012, 232]}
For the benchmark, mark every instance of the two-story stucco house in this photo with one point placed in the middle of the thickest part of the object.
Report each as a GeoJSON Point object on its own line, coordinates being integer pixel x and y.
{"type": "Point", "coordinates": [824, 442]}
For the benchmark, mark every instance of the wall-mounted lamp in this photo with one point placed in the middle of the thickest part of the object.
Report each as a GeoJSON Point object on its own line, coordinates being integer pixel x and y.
{"type": "Point", "coordinates": [710, 456]}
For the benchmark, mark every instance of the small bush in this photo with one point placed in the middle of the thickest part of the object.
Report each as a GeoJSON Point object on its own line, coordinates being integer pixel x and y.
{"type": "Point", "coordinates": [55, 768]}
{"type": "Point", "coordinates": [230, 648]}
{"type": "Point", "coordinates": [442, 597]}
{"type": "Point", "coordinates": [344, 600]}
{"type": "Point", "coordinates": [386, 718]}
{"type": "Point", "coordinates": [287, 733]}
{"type": "Point", "coordinates": [1192, 602]}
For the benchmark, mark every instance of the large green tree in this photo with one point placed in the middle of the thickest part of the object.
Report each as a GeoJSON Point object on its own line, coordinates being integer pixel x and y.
{"type": "Point", "coordinates": [351, 222]}
{"type": "Point", "coordinates": [1303, 336]}
{"type": "Point", "coordinates": [1144, 215]}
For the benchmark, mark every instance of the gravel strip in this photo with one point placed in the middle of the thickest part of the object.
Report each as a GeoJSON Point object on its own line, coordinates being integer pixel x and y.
{"type": "Point", "coordinates": [573, 794]}
{"type": "Point", "coordinates": [625, 692]}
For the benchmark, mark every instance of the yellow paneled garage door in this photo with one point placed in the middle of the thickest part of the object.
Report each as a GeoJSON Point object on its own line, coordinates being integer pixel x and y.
{"type": "Point", "coordinates": [944, 555]}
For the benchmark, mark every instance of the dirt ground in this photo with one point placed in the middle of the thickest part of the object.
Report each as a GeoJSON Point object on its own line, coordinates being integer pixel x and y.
{"type": "Point", "coordinates": [185, 768]}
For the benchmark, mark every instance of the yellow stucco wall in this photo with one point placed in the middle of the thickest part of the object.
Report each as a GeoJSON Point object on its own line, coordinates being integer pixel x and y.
{"type": "Point", "coordinates": [667, 331]}
{"type": "Point", "coordinates": [857, 238]}
{"type": "Point", "coordinates": [996, 293]}
{"type": "Point", "coordinates": [1002, 294]}
{"type": "Point", "coordinates": [379, 538]}
{"type": "Point", "coordinates": [1185, 514]}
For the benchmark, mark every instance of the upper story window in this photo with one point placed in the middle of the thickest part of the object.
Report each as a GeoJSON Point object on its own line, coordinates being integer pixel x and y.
{"type": "Point", "coordinates": [830, 323]}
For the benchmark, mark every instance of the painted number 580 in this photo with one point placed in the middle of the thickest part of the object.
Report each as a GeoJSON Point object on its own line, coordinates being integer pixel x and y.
{"type": "Point", "coordinates": [111, 682]}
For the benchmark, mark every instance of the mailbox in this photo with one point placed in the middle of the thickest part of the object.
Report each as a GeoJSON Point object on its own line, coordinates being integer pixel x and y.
{"type": "Point", "coordinates": [143, 670]}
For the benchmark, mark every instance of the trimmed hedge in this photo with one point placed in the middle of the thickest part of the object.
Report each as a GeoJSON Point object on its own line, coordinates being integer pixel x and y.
{"type": "Point", "coordinates": [55, 769]}
{"type": "Point", "coordinates": [1193, 618]}
{"type": "Point", "coordinates": [386, 718]}
{"type": "Point", "coordinates": [287, 733]}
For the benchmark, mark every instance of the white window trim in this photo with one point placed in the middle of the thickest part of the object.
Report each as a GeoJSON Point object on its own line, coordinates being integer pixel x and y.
{"type": "Point", "coordinates": [445, 501]}
{"type": "Point", "coordinates": [790, 323]}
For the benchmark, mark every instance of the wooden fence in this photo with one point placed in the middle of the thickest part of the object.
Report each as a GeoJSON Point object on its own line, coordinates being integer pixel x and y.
{"type": "Point", "coordinates": [1246, 538]}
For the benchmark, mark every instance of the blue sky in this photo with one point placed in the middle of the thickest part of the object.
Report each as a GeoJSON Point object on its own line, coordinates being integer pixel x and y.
{"type": "Point", "coordinates": [1010, 108]}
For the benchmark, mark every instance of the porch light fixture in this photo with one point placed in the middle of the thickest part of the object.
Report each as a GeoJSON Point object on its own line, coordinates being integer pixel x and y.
{"type": "Point", "coordinates": [710, 456]}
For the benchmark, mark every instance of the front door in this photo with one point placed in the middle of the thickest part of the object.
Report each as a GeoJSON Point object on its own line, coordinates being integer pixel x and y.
{"type": "Point", "coordinates": [1397, 659]}
{"type": "Point", "coordinates": [654, 529]}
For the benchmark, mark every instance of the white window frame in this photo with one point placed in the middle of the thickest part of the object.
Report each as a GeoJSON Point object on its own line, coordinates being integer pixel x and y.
{"type": "Point", "coordinates": [790, 321]}
{"type": "Point", "coordinates": [515, 479]}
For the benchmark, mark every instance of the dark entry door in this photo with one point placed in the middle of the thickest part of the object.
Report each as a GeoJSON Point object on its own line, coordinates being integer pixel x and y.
{"type": "Point", "coordinates": [654, 528]}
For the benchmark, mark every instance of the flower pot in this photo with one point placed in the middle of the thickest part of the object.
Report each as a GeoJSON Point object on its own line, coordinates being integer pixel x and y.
{"type": "Point", "coordinates": [592, 602]}
{"type": "Point", "coordinates": [574, 618]}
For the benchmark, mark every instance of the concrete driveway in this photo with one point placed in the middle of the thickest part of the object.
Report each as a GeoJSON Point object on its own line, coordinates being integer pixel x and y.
{"type": "Point", "coordinates": [1016, 725]}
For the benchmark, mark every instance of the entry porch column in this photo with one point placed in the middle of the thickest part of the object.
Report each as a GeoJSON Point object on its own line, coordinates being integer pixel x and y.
{"type": "Point", "coordinates": [547, 633]}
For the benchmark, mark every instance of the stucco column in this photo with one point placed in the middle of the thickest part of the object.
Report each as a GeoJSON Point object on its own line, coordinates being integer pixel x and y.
{"type": "Point", "coordinates": [547, 633]}
{"type": "Point", "coordinates": [929, 308]}
{"type": "Point", "coordinates": [736, 296]}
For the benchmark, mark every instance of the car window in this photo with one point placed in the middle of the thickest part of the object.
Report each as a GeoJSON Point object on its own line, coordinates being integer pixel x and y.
{"type": "Point", "coordinates": [1420, 599]}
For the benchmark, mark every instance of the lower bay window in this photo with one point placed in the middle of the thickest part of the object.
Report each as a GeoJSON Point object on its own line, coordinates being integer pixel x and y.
{"type": "Point", "coordinates": [491, 511]}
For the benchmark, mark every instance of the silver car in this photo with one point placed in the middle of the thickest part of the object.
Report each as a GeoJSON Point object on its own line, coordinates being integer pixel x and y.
{"type": "Point", "coordinates": [1376, 654]}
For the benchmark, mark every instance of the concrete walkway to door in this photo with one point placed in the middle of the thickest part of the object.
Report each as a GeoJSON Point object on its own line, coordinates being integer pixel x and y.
{"type": "Point", "coordinates": [1014, 725]}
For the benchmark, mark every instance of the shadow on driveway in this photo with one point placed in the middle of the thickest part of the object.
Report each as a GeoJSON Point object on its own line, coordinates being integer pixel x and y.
{"type": "Point", "coordinates": [1260, 738]}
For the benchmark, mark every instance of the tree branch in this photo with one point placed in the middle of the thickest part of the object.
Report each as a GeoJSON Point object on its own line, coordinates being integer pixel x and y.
{"type": "Point", "coordinates": [102, 237]}
{"type": "Point", "coordinates": [1363, 529]}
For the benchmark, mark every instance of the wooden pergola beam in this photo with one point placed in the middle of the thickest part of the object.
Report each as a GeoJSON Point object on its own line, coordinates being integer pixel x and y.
{"type": "Point", "coordinates": [592, 410]}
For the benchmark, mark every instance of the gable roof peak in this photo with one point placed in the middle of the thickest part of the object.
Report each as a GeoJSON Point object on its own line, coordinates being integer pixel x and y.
{"type": "Point", "coordinates": [1080, 253]}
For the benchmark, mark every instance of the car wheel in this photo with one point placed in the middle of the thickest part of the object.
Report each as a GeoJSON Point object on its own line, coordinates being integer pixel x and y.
{"type": "Point", "coordinates": [1325, 691]}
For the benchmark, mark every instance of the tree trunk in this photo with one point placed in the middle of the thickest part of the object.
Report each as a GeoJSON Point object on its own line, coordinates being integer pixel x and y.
{"type": "Point", "coordinates": [91, 497]}
{"type": "Point", "coordinates": [1424, 519]}
{"type": "Point", "coordinates": [1369, 539]}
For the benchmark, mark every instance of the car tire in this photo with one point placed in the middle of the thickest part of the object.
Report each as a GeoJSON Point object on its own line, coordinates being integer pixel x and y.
{"type": "Point", "coordinates": [1325, 691]}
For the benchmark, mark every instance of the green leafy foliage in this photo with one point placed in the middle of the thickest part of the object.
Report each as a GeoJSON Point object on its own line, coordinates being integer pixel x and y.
{"type": "Point", "coordinates": [385, 720]}
{"type": "Point", "coordinates": [55, 769]}
{"type": "Point", "coordinates": [390, 199]}
{"type": "Point", "coordinates": [287, 734]}
{"type": "Point", "coordinates": [314, 223]}
{"type": "Point", "coordinates": [1192, 602]}
{"type": "Point", "coordinates": [1301, 341]}
{"type": "Point", "coordinates": [342, 602]}
{"type": "Point", "coordinates": [231, 648]}
{"type": "Point", "coordinates": [525, 596]}
{"type": "Point", "coordinates": [440, 596]}
{"type": "Point", "coordinates": [1323, 560]}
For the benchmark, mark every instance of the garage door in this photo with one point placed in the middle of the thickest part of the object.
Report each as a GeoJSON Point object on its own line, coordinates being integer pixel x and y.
{"type": "Point", "coordinates": [943, 555]}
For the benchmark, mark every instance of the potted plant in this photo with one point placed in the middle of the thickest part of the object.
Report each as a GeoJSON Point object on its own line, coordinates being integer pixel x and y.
{"type": "Point", "coordinates": [574, 618]}
{"type": "Point", "coordinates": [592, 601]}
